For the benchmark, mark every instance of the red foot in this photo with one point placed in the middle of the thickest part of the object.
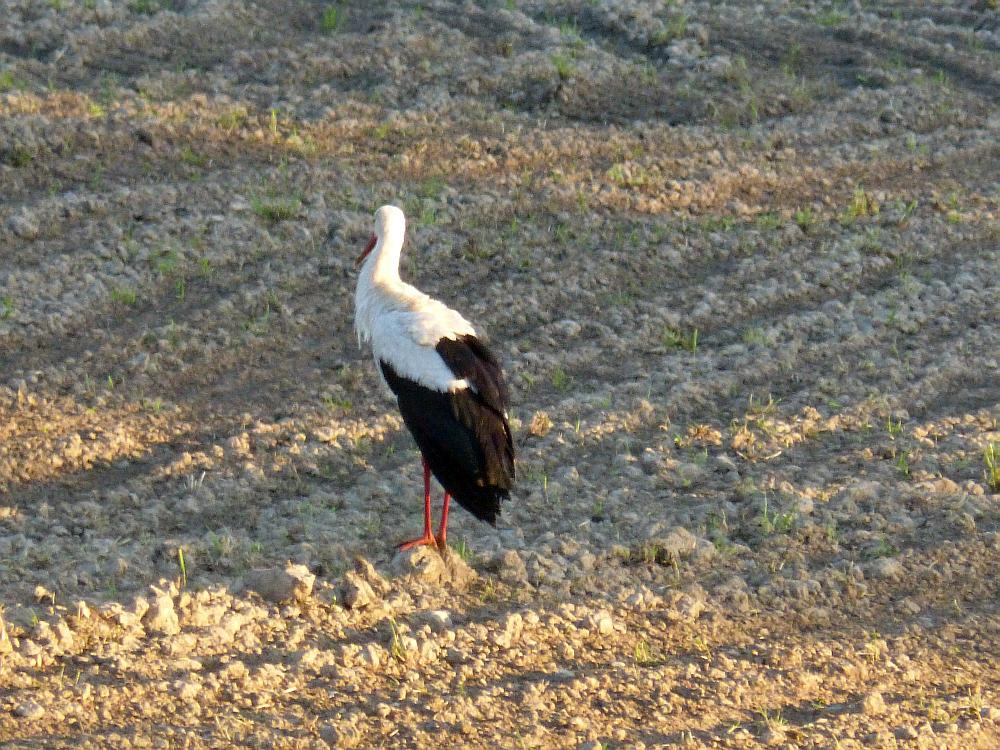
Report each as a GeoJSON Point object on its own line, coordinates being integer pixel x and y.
{"type": "Point", "coordinates": [439, 541]}
{"type": "Point", "coordinates": [419, 542]}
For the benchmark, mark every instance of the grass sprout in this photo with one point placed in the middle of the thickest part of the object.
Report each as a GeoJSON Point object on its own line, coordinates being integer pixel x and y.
{"type": "Point", "coordinates": [991, 459]}
{"type": "Point", "coordinates": [396, 647]}
{"type": "Point", "coordinates": [124, 296]}
{"type": "Point", "coordinates": [274, 210]}
{"type": "Point", "coordinates": [331, 20]}
{"type": "Point", "coordinates": [680, 340]}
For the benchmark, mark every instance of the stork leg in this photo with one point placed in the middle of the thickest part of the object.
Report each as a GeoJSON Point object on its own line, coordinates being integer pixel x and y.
{"type": "Point", "coordinates": [428, 537]}
{"type": "Point", "coordinates": [442, 535]}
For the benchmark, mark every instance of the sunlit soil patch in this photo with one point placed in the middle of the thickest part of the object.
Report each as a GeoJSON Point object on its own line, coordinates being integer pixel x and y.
{"type": "Point", "coordinates": [47, 438]}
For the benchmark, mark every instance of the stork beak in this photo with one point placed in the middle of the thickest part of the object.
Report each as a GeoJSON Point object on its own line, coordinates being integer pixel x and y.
{"type": "Point", "coordinates": [364, 253]}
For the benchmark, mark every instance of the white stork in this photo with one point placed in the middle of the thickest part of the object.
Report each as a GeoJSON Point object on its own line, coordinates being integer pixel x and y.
{"type": "Point", "coordinates": [449, 386]}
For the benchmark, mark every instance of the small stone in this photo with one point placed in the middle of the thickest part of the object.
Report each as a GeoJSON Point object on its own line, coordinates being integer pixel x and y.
{"type": "Point", "coordinates": [602, 623]}
{"type": "Point", "coordinates": [429, 566]}
{"type": "Point", "coordinates": [459, 571]}
{"type": "Point", "coordinates": [428, 651]}
{"type": "Point", "coordinates": [161, 616]}
{"type": "Point", "coordinates": [511, 633]}
{"type": "Point", "coordinates": [187, 690]}
{"type": "Point", "coordinates": [590, 745]}
{"type": "Point", "coordinates": [586, 561]}
{"type": "Point", "coordinates": [905, 733]}
{"type": "Point", "coordinates": [880, 739]}
{"type": "Point", "coordinates": [228, 627]}
{"type": "Point", "coordinates": [725, 464]}
{"type": "Point", "coordinates": [687, 607]}
{"type": "Point", "coordinates": [678, 542]}
{"type": "Point", "coordinates": [772, 737]}
{"type": "Point", "coordinates": [438, 619]}
{"type": "Point", "coordinates": [29, 710]}
{"type": "Point", "coordinates": [636, 600]}
{"type": "Point", "coordinates": [423, 563]}
{"type": "Point", "coordinates": [203, 615]}
{"type": "Point", "coordinates": [367, 571]}
{"type": "Point", "coordinates": [355, 592]}
{"type": "Point", "coordinates": [340, 736]}
{"type": "Point", "coordinates": [873, 704]}
{"type": "Point", "coordinates": [23, 226]}
{"type": "Point", "coordinates": [277, 585]}
{"type": "Point", "coordinates": [512, 568]}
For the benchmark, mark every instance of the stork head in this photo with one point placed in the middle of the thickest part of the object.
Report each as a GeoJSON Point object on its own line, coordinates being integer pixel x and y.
{"type": "Point", "coordinates": [390, 224]}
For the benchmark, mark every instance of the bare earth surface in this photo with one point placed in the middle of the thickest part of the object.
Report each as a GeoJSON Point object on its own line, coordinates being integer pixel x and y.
{"type": "Point", "coordinates": [740, 262]}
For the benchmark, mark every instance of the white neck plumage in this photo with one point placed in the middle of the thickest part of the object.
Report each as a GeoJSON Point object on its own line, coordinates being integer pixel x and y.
{"type": "Point", "coordinates": [379, 287]}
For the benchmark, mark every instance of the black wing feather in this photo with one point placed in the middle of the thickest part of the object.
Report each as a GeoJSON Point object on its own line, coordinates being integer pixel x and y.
{"type": "Point", "coordinates": [469, 358]}
{"type": "Point", "coordinates": [464, 435]}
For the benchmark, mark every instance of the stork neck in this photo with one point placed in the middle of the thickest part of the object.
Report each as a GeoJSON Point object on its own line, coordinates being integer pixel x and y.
{"type": "Point", "coordinates": [385, 258]}
{"type": "Point", "coordinates": [379, 286]}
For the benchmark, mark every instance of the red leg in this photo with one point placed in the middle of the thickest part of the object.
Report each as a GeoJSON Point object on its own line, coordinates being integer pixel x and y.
{"type": "Point", "coordinates": [427, 538]}
{"type": "Point", "coordinates": [442, 535]}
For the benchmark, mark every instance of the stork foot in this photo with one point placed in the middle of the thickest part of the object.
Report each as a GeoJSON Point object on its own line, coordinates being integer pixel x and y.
{"type": "Point", "coordinates": [427, 539]}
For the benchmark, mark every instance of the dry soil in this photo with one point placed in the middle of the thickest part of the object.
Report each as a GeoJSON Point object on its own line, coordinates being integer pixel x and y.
{"type": "Point", "coordinates": [740, 261]}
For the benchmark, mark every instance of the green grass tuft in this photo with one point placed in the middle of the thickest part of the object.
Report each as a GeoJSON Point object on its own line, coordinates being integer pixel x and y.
{"type": "Point", "coordinates": [124, 295]}
{"type": "Point", "coordinates": [805, 219]}
{"type": "Point", "coordinates": [861, 205]}
{"type": "Point", "coordinates": [768, 221]}
{"type": "Point", "coordinates": [192, 158]}
{"type": "Point", "coordinates": [17, 155]}
{"type": "Point", "coordinates": [565, 67]}
{"type": "Point", "coordinates": [679, 340]}
{"type": "Point", "coordinates": [991, 459]}
{"type": "Point", "coordinates": [146, 7]}
{"type": "Point", "coordinates": [560, 380]}
{"type": "Point", "coordinates": [675, 27]}
{"type": "Point", "coordinates": [275, 209]}
{"type": "Point", "coordinates": [772, 522]}
{"type": "Point", "coordinates": [832, 17]}
{"type": "Point", "coordinates": [331, 20]}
